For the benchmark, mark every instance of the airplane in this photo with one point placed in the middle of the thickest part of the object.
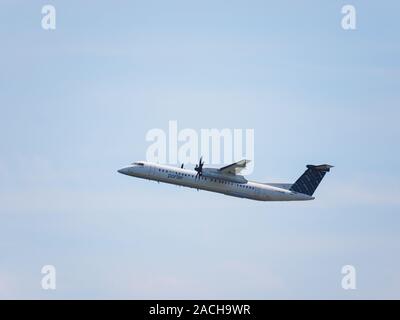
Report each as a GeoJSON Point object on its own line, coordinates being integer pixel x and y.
{"type": "Point", "coordinates": [228, 181]}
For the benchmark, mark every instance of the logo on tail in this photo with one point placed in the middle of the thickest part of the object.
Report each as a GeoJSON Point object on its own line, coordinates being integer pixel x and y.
{"type": "Point", "coordinates": [310, 179]}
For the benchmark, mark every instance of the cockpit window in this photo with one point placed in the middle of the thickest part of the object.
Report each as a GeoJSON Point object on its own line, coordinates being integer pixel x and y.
{"type": "Point", "coordinates": [139, 163]}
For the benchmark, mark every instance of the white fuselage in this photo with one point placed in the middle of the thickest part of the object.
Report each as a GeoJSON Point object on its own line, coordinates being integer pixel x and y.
{"type": "Point", "coordinates": [187, 178]}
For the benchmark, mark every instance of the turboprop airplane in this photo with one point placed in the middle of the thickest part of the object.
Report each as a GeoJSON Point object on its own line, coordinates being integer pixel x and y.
{"type": "Point", "coordinates": [228, 181]}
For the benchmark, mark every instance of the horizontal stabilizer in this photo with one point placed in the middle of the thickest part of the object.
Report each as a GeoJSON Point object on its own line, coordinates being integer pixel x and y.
{"type": "Point", "coordinates": [321, 167]}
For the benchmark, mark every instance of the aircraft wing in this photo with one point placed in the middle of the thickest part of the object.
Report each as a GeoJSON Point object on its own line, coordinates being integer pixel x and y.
{"type": "Point", "coordinates": [234, 168]}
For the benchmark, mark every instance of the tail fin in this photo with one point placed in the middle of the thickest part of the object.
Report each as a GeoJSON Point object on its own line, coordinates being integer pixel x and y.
{"type": "Point", "coordinates": [310, 179]}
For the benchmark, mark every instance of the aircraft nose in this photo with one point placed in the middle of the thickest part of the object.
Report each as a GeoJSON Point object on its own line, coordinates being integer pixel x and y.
{"type": "Point", "coordinates": [123, 171]}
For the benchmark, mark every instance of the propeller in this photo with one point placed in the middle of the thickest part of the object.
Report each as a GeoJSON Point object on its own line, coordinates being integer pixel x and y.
{"type": "Point", "coordinates": [182, 166]}
{"type": "Point", "coordinates": [199, 168]}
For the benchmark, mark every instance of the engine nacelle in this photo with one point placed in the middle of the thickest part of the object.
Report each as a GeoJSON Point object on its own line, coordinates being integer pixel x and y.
{"type": "Point", "coordinates": [216, 174]}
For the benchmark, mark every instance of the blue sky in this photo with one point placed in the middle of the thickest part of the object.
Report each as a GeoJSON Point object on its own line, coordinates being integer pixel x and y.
{"type": "Point", "coordinates": [77, 102]}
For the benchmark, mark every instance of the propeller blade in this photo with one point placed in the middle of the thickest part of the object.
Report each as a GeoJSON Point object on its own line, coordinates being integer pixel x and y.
{"type": "Point", "coordinates": [199, 168]}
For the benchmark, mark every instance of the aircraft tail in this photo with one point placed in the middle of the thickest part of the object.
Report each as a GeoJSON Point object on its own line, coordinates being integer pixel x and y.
{"type": "Point", "coordinates": [310, 179]}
